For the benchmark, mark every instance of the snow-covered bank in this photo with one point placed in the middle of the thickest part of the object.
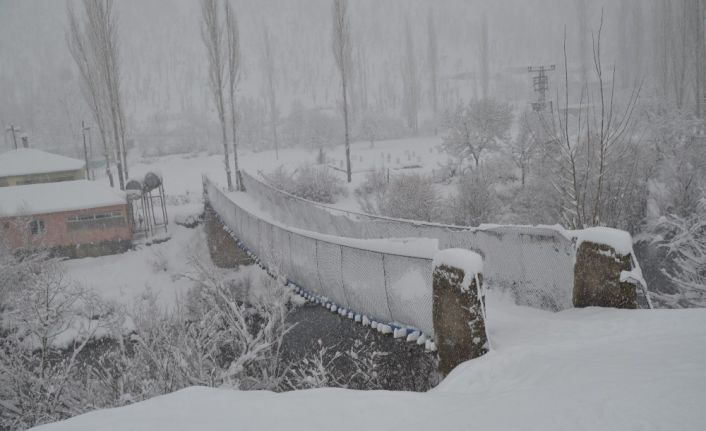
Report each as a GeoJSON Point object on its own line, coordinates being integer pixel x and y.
{"type": "Point", "coordinates": [578, 369]}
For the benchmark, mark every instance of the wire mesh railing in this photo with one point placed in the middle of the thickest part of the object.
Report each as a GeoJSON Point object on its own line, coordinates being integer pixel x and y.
{"type": "Point", "coordinates": [533, 264]}
{"type": "Point", "coordinates": [390, 288]}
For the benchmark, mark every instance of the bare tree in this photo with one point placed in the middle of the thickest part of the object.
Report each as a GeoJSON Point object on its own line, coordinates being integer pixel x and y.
{"type": "Point", "coordinates": [592, 149]}
{"type": "Point", "coordinates": [433, 64]}
{"type": "Point", "coordinates": [583, 49]}
{"type": "Point", "coordinates": [476, 128]}
{"type": "Point", "coordinates": [684, 240]}
{"type": "Point", "coordinates": [102, 29]}
{"type": "Point", "coordinates": [342, 52]}
{"type": "Point", "coordinates": [212, 35]}
{"type": "Point", "coordinates": [484, 57]}
{"type": "Point", "coordinates": [233, 45]}
{"type": "Point", "coordinates": [92, 90]}
{"type": "Point", "coordinates": [526, 145]}
{"type": "Point", "coordinates": [269, 65]}
{"type": "Point", "coordinates": [410, 82]}
{"type": "Point", "coordinates": [95, 49]}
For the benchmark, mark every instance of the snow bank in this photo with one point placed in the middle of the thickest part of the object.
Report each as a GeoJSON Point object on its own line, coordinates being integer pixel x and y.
{"type": "Point", "coordinates": [581, 369]}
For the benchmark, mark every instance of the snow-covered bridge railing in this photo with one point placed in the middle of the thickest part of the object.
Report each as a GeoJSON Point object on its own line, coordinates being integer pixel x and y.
{"type": "Point", "coordinates": [536, 264]}
{"type": "Point", "coordinates": [382, 281]}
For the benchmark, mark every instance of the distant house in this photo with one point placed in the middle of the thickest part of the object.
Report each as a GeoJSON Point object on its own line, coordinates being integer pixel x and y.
{"type": "Point", "coordinates": [72, 218]}
{"type": "Point", "coordinates": [31, 166]}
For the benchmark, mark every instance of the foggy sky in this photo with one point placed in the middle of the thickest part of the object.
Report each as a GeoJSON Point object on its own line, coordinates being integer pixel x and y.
{"type": "Point", "coordinates": [164, 65]}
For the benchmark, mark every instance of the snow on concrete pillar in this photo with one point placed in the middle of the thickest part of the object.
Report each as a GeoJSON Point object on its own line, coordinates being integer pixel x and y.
{"type": "Point", "coordinates": [458, 307]}
{"type": "Point", "coordinates": [604, 275]}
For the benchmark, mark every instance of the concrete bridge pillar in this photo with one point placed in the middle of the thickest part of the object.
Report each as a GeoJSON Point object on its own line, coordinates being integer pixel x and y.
{"type": "Point", "coordinates": [598, 280]}
{"type": "Point", "coordinates": [458, 307]}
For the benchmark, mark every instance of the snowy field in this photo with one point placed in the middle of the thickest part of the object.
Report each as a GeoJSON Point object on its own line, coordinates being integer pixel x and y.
{"type": "Point", "coordinates": [182, 172]}
{"type": "Point", "coordinates": [588, 369]}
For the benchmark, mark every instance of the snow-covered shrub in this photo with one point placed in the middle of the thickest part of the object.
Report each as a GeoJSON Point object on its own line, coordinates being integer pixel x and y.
{"type": "Point", "coordinates": [408, 196]}
{"type": "Point", "coordinates": [158, 261]}
{"type": "Point", "coordinates": [318, 183]}
{"type": "Point", "coordinates": [215, 339]}
{"type": "Point", "coordinates": [534, 203]}
{"type": "Point", "coordinates": [46, 325]}
{"type": "Point", "coordinates": [684, 240]}
{"type": "Point", "coordinates": [476, 128]}
{"type": "Point", "coordinates": [315, 183]}
{"type": "Point", "coordinates": [475, 201]}
{"type": "Point", "coordinates": [355, 368]}
{"type": "Point", "coordinates": [372, 190]}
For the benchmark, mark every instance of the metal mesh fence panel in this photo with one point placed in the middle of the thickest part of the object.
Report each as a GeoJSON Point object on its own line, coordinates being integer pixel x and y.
{"type": "Point", "coordinates": [303, 251]}
{"type": "Point", "coordinates": [534, 264]}
{"type": "Point", "coordinates": [409, 290]}
{"type": "Point", "coordinates": [330, 275]}
{"type": "Point", "coordinates": [364, 283]}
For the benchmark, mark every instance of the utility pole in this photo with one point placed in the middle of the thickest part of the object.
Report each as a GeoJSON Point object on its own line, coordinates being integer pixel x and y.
{"type": "Point", "coordinates": [85, 148]}
{"type": "Point", "coordinates": [540, 84]}
{"type": "Point", "coordinates": [14, 131]}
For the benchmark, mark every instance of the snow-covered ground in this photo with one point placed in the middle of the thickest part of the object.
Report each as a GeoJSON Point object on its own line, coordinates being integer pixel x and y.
{"type": "Point", "coordinates": [580, 369]}
{"type": "Point", "coordinates": [157, 269]}
{"type": "Point", "coordinates": [182, 172]}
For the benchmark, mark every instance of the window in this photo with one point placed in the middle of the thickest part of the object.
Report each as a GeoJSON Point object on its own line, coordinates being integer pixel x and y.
{"type": "Point", "coordinates": [36, 227]}
{"type": "Point", "coordinates": [95, 220]}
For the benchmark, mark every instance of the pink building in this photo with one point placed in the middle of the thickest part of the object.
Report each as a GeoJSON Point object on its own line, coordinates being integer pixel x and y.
{"type": "Point", "coordinates": [72, 218]}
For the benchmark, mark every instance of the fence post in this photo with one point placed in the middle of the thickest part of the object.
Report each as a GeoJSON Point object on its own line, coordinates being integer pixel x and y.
{"type": "Point", "coordinates": [458, 307]}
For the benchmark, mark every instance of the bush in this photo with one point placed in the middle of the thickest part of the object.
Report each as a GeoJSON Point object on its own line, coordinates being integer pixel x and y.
{"type": "Point", "coordinates": [475, 201]}
{"type": "Point", "coordinates": [408, 196]}
{"type": "Point", "coordinates": [315, 183]}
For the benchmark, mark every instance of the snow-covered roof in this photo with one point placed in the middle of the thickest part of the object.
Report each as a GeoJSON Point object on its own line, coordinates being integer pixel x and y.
{"type": "Point", "coordinates": [57, 197]}
{"type": "Point", "coordinates": [28, 161]}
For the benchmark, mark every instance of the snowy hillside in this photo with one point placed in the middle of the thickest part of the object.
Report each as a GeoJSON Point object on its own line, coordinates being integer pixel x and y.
{"type": "Point", "coordinates": [592, 369]}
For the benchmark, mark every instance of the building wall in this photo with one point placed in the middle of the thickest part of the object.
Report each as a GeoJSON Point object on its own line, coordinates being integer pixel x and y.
{"type": "Point", "coordinates": [66, 229]}
{"type": "Point", "coordinates": [51, 177]}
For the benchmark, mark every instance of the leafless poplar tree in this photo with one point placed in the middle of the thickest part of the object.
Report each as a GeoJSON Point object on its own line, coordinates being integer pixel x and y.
{"type": "Point", "coordinates": [233, 46]}
{"type": "Point", "coordinates": [95, 48]}
{"type": "Point", "coordinates": [103, 31]}
{"type": "Point", "coordinates": [91, 88]}
{"type": "Point", "coordinates": [269, 65]}
{"type": "Point", "coordinates": [410, 82]}
{"type": "Point", "coordinates": [484, 57]}
{"type": "Point", "coordinates": [342, 52]}
{"type": "Point", "coordinates": [433, 63]}
{"type": "Point", "coordinates": [582, 10]}
{"type": "Point", "coordinates": [213, 39]}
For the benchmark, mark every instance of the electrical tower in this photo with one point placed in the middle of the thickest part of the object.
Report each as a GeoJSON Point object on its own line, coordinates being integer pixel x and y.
{"type": "Point", "coordinates": [540, 84]}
